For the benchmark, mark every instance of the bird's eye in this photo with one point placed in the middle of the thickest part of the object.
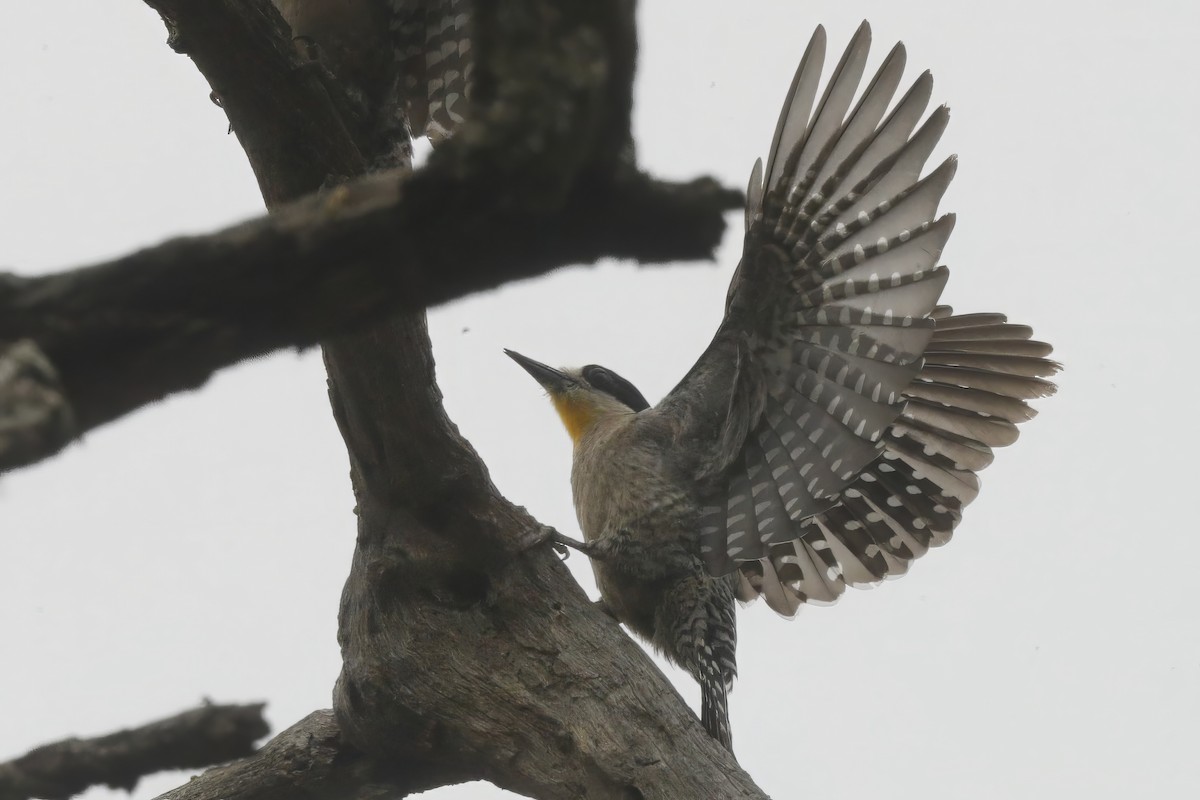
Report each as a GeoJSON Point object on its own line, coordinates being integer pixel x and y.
{"type": "Point", "coordinates": [613, 384]}
{"type": "Point", "coordinates": [599, 378]}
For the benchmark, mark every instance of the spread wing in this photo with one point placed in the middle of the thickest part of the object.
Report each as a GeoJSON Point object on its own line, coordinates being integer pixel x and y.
{"type": "Point", "coordinates": [841, 412]}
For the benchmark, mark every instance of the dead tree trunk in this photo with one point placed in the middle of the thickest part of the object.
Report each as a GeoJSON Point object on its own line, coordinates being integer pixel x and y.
{"type": "Point", "coordinates": [465, 655]}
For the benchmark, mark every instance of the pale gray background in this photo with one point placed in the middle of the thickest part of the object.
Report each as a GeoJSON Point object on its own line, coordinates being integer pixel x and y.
{"type": "Point", "coordinates": [197, 549]}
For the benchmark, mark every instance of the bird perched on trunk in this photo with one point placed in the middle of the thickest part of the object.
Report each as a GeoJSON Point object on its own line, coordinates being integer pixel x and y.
{"type": "Point", "coordinates": [832, 431]}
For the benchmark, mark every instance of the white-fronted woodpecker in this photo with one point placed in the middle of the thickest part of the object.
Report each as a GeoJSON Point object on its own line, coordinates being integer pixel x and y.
{"type": "Point", "coordinates": [832, 431]}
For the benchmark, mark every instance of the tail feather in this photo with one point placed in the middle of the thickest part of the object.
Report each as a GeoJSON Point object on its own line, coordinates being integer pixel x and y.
{"type": "Point", "coordinates": [714, 709]}
{"type": "Point", "coordinates": [433, 46]}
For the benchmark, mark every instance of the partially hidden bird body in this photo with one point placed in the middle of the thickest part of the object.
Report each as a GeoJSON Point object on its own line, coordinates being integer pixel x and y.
{"type": "Point", "coordinates": [832, 431]}
{"type": "Point", "coordinates": [406, 64]}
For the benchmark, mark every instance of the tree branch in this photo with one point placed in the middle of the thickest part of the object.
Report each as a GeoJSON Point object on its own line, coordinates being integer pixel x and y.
{"type": "Point", "coordinates": [464, 655]}
{"type": "Point", "coordinates": [524, 188]}
{"type": "Point", "coordinates": [129, 332]}
{"type": "Point", "coordinates": [197, 738]}
{"type": "Point", "coordinates": [311, 760]}
{"type": "Point", "coordinates": [35, 418]}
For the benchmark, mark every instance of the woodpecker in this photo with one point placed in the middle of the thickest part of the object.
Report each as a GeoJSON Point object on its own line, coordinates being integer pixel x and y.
{"type": "Point", "coordinates": [407, 63]}
{"type": "Point", "coordinates": [831, 432]}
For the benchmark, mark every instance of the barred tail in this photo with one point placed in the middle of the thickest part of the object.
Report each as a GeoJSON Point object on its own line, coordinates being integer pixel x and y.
{"type": "Point", "coordinates": [714, 709]}
{"type": "Point", "coordinates": [717, 662]}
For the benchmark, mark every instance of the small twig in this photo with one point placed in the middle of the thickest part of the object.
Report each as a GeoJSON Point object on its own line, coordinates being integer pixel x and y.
{"type": "Point", "coordinates": [35, 418]}
{"type": "Point", "coordinates": [198, 738]}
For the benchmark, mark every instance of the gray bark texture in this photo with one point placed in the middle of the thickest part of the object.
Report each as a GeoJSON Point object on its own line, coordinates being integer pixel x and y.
{"type": "Point", "coordinates": [466, 654]}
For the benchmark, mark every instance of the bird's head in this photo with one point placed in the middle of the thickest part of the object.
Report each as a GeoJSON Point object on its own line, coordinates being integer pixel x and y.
{"type": "Point", "coordinates": [584, 396]}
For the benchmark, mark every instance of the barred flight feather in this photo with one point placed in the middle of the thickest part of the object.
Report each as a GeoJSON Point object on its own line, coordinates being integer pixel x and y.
{"type": "Point", "coordinates": [433, 51]}
{"type": "Point", "coordinates": [882, 149]}
{"type": "Point", "coordinates": [1001, 330]}
{"type": "Point", "coordinates": [857, 133]}
{"type": "Point", "coordinates": [911, 499]}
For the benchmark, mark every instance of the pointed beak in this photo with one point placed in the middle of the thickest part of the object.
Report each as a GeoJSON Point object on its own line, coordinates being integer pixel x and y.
{"type": "Point", "coordinates": [551, 379]}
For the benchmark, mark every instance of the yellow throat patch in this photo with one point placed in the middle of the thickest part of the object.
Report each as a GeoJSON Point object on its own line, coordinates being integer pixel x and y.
{"type": "Point", "coordinates": [577, 416]}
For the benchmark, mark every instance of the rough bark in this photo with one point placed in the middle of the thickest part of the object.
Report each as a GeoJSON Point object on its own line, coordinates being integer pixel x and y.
{"type": "Point", "coordinates": [35, 417]}
{"type": "Point", "coordinates": [310, 760]}
{"type": "Point", "coordinates": [465, 654]}
{"type": "Point", "coordinates": [206, 735]}
{"type": "Point", "coordinates": [462, 649]}
{"type": "Point", "coordinates": [123, 334]}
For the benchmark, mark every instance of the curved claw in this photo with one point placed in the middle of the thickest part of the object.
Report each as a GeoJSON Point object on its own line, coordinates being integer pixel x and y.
{"type": "Point", "coordinates": [545, 534]}
{"type": "Point", "coordinates": [554, 537]}
{"type": "Point", "coordinates": [563, 545]}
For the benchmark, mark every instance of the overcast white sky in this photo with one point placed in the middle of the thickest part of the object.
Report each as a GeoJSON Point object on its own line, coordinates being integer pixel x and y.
{"type": "Point", "coordinates": [197, 548]}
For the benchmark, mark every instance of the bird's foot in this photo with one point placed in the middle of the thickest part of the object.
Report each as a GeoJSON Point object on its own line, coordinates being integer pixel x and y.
{"type": "Point", "coordinates": [562, 544]}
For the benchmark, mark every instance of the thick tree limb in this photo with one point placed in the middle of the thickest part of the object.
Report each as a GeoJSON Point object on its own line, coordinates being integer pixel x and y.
{"type": "Point", "coordinates": [459, 647]}
{"type": "Point", "coordinates": [197, 738]}
{"type": "Point", "coordinates": [464, 656]}
{"type": "Point", "coordinates": [534, 688]}
{"type": "Point", "coordinates": [124, 334]}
